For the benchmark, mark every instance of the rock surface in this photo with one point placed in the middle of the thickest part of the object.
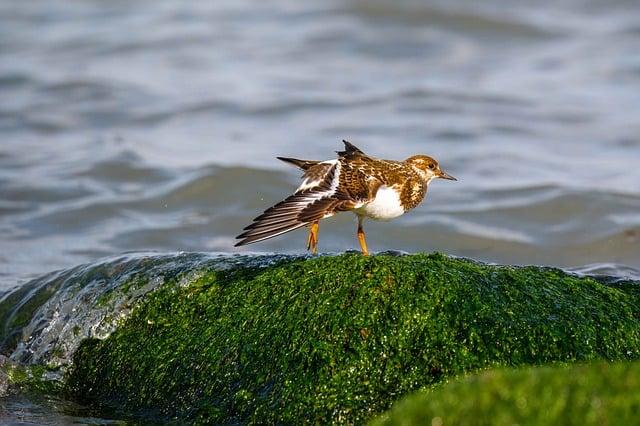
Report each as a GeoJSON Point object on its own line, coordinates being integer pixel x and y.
{"type": "Point", "coordinates": [44, 321]}
{"type": "Point", "coordinates": [282, 339]}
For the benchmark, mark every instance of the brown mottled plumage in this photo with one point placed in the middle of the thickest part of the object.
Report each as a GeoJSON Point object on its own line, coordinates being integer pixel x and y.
{"type": "Point", "coordinates": [370, 187]}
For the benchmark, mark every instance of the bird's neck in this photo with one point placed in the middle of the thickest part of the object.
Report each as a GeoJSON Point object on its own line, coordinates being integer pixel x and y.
{"type": "Point", "coordinates": [413, 193]}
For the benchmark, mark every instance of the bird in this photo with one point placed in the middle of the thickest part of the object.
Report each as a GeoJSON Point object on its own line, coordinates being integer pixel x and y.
{"type": "Point", "coordinates": [369, 187]}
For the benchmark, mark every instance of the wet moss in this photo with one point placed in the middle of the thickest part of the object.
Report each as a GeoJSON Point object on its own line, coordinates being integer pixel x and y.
{"type": "Point", "coordinates": [36, 379]}
{"type": "Point", "coordinates": [595, 394]}
{"type": "Point", "coordinates": [339, 339]}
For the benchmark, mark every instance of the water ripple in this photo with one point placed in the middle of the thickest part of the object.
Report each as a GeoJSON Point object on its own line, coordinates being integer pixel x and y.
{"type": "Point", "coordinates": [127, 127]}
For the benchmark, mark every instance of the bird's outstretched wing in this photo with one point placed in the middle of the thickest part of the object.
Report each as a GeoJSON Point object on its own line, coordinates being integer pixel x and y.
{"type": "Point", "coordinates": [305, 206]}
{"type": "Point", "coordinates": [319, 196]}
{"type": "Point", "coordinates": [314, 171]}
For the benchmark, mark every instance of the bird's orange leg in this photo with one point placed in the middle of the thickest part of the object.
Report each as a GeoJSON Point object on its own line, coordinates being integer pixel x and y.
{"type": "Point", "coordinates": [312, 240]}
{"type": "Point", "coordinates": [361, 238]}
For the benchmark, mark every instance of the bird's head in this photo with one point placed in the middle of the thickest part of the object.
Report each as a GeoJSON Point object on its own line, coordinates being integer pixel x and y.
{"type": "Point", "coordinates": [427, 168]}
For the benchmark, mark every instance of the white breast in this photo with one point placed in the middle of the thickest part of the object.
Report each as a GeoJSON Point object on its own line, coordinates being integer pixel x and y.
{"type": "Point", "coordinates": [385, 206]}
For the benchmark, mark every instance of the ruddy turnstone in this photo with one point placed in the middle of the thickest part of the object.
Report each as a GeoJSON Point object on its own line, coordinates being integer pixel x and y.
{"type": "Point", "coordinates": [367, 186]}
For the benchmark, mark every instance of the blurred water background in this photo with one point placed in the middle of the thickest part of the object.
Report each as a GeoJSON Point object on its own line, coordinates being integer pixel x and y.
{"type": "Point", "coordinates": [138, 125]}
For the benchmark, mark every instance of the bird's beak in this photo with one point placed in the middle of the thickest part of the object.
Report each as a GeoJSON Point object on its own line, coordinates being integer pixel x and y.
{"type": "Point", "coordinates": [444, 175]}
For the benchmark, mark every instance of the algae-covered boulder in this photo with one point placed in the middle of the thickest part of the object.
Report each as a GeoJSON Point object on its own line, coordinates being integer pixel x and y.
{"type": "Point", "coordinates": [284, 339]}
{"type": "Point", "coordinates": [340, 338]}
{"type": "Point", "coordinates": [44, 320]}
{"type": "Point", "coordinates": [596, 394]}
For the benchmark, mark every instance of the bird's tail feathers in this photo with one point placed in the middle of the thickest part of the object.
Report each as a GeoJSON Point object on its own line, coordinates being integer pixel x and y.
{"type": "Point", "coordinates": [349, 149]}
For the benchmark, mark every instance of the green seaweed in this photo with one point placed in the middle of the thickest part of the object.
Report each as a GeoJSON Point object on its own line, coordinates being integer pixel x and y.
{"type": "Point", "coordinates": [339, 339]}
{"type": "Point", "coordinates": [31, 379]}
{"type": "Point", "coordinates": [583, 394]}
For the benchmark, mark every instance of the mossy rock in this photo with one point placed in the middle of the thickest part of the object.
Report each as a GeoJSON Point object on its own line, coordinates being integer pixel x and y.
{"type": "Point", "coordinates": [340, 338]}
{"type": "Point", "coordinates": [594, 394]}
{"type": "Point", "coordinates": [27, 379]}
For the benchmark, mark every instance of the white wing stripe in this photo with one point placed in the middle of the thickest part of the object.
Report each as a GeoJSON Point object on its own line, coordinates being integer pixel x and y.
{"type": "Point", "coordinates": [336, 178]}
{"type": "Point", "coordinates": [307, 184]}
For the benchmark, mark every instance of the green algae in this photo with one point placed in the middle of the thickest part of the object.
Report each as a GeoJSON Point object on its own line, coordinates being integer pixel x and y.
{"type": "Point", "coordinates": [36, 379]}
{"type": "Point", "coordinates": [592, 394]}
{"type": "Point", "coordinates": [339, 339]}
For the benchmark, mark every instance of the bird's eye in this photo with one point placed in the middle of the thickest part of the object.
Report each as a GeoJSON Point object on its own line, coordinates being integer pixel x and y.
{"type": "Point", "coordinates": [432, 166]}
